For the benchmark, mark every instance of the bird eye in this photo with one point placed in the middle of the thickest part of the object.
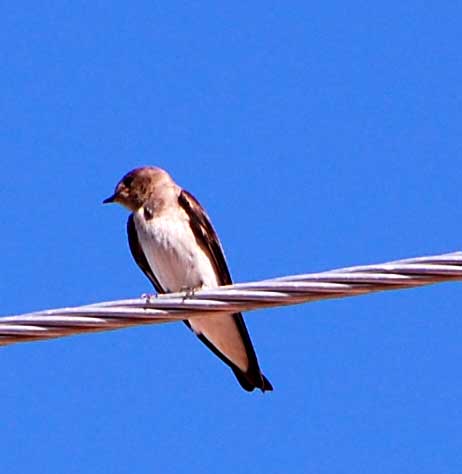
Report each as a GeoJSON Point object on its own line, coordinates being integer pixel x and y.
{"type": "Point", "coordinates": [128, 181]}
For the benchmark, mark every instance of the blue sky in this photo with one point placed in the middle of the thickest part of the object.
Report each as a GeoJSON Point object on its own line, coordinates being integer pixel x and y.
{"type": "Point", "coordinates": [317, 136]}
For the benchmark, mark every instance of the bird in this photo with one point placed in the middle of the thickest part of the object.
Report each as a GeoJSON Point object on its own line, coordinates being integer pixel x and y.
{"type": "Point", "coordinates": [172, 240]}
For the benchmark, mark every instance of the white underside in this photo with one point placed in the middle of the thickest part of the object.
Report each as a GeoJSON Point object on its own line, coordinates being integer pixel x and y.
{"type": "Point", "coordinates": [172, 252]}
{"type": "Point", "coordinates": [180, 264]}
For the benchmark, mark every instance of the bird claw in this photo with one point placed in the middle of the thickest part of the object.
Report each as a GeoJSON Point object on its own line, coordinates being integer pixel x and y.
{"type": "Point", "coordinates": [148, 297]}
{"type": "Point", "coordinates": [188, 292]}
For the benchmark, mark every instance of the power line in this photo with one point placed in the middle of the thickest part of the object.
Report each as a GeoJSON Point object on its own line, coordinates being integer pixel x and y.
{"type": "Point", "coordinates": [214, 302]}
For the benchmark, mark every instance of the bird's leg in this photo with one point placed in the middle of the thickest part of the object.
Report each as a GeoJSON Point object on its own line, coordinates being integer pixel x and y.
{"type": "Point", "coordinates": [148, 297]}
{"type": "Point", "coordinates": [189, 291]}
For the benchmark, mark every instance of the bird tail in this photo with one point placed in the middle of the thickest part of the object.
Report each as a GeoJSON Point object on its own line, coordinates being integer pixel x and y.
{"type": "Point", "coordinates": [250, 381]}
{"type": "Point", "coordinates": [266, 386]}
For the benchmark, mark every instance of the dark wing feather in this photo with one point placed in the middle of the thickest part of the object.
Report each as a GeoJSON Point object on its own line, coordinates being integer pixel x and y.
{"type": "Point", "coordinates": [205, 235]}
{"type": "Point", "coordinates": [139, 256]}
{"type": "Point", "coordinates": [208, 240]}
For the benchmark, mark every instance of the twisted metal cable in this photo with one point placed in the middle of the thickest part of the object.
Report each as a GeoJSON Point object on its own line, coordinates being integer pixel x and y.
{"type": "Point", "coordinates": [282, 291]}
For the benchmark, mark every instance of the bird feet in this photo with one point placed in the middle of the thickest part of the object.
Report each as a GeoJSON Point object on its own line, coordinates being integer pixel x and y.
{"type": "Point", "coordinates": [188, 292]}
{"type": "Point", "coordinates": [148, 297]}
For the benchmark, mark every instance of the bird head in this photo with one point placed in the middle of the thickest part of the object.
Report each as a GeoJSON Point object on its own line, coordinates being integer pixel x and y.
{"type": "Point", "coordinates": [139, 186]}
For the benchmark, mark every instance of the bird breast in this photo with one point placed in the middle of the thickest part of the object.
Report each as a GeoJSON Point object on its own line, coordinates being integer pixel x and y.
{"type": "Point", "coordinates": [171, 249]}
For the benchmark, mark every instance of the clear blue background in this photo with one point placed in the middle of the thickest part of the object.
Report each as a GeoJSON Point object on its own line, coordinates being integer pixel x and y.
{"type": "Point", "coordinates": [317, 136]}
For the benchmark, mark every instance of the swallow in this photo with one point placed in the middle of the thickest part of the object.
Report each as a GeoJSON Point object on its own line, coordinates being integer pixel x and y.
{"type": "Point", "coordinates": [174, 243]}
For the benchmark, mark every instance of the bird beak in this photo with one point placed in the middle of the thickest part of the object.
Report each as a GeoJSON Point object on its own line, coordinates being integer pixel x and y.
{"type": "Point", "coordinates": [110, 199]}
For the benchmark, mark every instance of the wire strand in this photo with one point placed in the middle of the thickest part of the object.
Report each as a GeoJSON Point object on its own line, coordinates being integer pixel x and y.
{"type": "Point", "coordinates": [213, 302]}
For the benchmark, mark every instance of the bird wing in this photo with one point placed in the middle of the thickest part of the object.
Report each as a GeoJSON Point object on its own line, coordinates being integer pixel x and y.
{"type": "Point", "coordinates": [139, 256]}
{"type": "Point", "coordinates": [227, 334]}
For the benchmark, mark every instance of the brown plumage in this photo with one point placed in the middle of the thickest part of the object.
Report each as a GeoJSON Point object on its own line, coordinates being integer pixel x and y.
{"type": "Point", "coordinates": [173, 241]}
